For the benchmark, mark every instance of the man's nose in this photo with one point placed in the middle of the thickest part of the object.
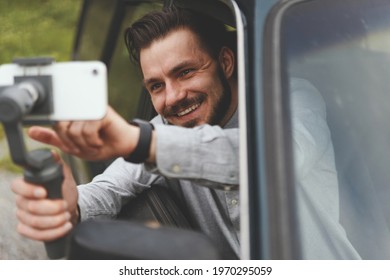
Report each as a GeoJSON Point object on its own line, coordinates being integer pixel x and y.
{"type": "Point", "coordinates": [174, 93]}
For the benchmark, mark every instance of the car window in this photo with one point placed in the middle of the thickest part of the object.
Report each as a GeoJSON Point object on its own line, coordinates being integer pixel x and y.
{"type": "Point", "coordinates": [125, 80]}
{"type": "Point", "coordinates": [337, 56]}
{"type": "Point", "coordinates": [92, 32]}
{"type": "Point", "coordinates": [101, 36]}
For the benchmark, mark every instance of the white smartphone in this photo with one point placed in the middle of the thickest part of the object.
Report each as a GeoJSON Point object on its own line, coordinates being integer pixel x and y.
{"type": "Point", "coordinates": [79, 88]}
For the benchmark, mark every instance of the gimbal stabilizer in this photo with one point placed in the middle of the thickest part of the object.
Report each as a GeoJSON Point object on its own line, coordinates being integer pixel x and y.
{"type": "Point", "coordinates": [32, 95]}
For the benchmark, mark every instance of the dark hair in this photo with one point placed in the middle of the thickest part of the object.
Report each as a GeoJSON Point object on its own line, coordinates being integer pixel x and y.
{"type": "Point", "coordinates": [212, 33]}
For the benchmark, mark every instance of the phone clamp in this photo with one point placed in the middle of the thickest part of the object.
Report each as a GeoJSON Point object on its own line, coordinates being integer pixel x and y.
{"type": "Point", "coordinates": [33, 61]}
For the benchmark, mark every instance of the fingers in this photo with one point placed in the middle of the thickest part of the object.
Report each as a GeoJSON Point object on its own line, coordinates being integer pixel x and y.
{"type": "Point", "coordinates": [47, 136]}
{"type": "Point", "coordinates": [92, 140]}
{"type": "Point", "coordinates": [41, 218]}
{"type": "Point", "coordinates": [41, 206]}
{"type": "Point", "coordinates": [90, 132]}
{"type": "Point", "coordinates": [76, 133]}
{"type": "Point", "coordinates": [43, 222]}
{"type": "Point", "coordinates": [62, 129]}
{"type": "Point", "coordinates": [81, 137]}
{"type": "Point", "coordinates": [44, 235]}
{"type": "Point", "coordinates": [24, 189]}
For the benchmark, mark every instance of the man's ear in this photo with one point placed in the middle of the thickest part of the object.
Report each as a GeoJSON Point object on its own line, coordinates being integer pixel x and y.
{"type": "Point", "coordinates": [227, 61]}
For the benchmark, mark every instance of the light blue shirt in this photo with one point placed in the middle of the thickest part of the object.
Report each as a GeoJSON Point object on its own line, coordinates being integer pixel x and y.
{"type": "Point", "coordinates": [204, 163]}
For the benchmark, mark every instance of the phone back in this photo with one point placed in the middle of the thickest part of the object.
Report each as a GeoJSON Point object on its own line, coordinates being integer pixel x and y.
{"type": "Point", "coordinates": [79, 88]}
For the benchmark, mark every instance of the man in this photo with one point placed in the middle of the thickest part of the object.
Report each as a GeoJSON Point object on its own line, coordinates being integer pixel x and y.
{"type": "Point", "coordinates": [188, 67]}
{"type": "Point", "coordinates": [189, 70]}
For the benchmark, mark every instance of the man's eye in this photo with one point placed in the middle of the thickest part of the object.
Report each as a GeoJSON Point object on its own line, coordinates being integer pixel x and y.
{"type": "Point", "coordinates": [185, 72]}
{"type": "Point", "coordinates": [155, 87]}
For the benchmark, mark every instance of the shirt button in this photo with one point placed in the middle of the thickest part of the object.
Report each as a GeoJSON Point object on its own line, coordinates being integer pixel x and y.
{"type": "Point", "coordinates": [234, 201]}
{"type": "Point", "coordinates": [176, 168]}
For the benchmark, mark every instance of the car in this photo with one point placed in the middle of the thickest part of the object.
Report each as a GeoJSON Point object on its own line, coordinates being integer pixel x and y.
{"type": "Point", "coordinates": [342, 48]}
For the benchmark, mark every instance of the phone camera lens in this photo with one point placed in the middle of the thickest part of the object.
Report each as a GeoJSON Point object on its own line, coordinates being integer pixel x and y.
{"type": "Point", "coordinates": [95, 72]}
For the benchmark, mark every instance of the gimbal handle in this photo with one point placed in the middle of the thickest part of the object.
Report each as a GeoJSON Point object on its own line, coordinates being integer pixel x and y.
{"type": "Point", "coordinates": [50, 176]}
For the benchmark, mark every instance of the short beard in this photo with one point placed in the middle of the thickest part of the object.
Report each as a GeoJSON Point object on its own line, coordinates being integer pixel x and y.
{"type": "Point", "coordinates": [223, 104]}
{"type": "Point", "coordinates": [221, 108]}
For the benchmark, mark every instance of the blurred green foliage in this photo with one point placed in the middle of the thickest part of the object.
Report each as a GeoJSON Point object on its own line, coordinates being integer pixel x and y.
{"type": "Point", "coordinates": [36, 28]}
{"type": "Point", "coordinates": [6, 163]}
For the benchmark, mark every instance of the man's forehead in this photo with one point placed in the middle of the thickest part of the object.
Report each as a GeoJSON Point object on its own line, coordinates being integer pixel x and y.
{"type": "Point", "coordinates": [180, 36]}
{"type": "Point", "coordinates": [180, 43]}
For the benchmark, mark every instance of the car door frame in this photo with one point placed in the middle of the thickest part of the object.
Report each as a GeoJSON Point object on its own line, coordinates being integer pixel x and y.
{"type": "Point", "coordinates": [272, 228]}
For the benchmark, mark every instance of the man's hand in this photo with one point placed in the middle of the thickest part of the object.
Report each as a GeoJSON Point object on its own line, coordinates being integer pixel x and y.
{"type": "Point", "coordinates": [45, 219]}
{"type": "Point", "coordinates": [107, 138]}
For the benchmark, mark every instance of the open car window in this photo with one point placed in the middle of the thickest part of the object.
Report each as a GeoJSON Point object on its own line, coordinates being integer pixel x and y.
{"type": "Point", "coordinates": [100, 36]}
{"type": "Point", "coordinates": [103, 39]}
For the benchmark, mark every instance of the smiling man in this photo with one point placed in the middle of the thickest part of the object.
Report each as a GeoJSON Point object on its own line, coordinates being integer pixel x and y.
{"type": "Point", "coordinates": [188, 66]}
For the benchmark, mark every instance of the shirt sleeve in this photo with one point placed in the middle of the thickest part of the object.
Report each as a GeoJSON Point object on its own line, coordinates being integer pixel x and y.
{"type": "Point", "coordinates": [109, 191]}
{"type": "Point", "coordinates": [204, 153]}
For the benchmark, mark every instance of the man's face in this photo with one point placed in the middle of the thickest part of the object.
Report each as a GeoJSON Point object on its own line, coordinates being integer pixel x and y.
{"type": "Point", "coordinates": [188, 87]}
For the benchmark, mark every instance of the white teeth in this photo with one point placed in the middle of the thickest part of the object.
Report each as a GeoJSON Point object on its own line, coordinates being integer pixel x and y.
{"type": "Point", "coordinates": [188, 110]}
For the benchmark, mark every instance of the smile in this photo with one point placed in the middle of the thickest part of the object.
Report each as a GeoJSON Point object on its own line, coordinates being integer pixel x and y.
{"type": "Point", "coordinates": [188, 110]}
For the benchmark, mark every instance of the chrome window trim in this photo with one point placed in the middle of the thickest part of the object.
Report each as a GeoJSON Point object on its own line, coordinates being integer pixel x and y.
{"type": "Point", "coordinates": [243, 156]}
